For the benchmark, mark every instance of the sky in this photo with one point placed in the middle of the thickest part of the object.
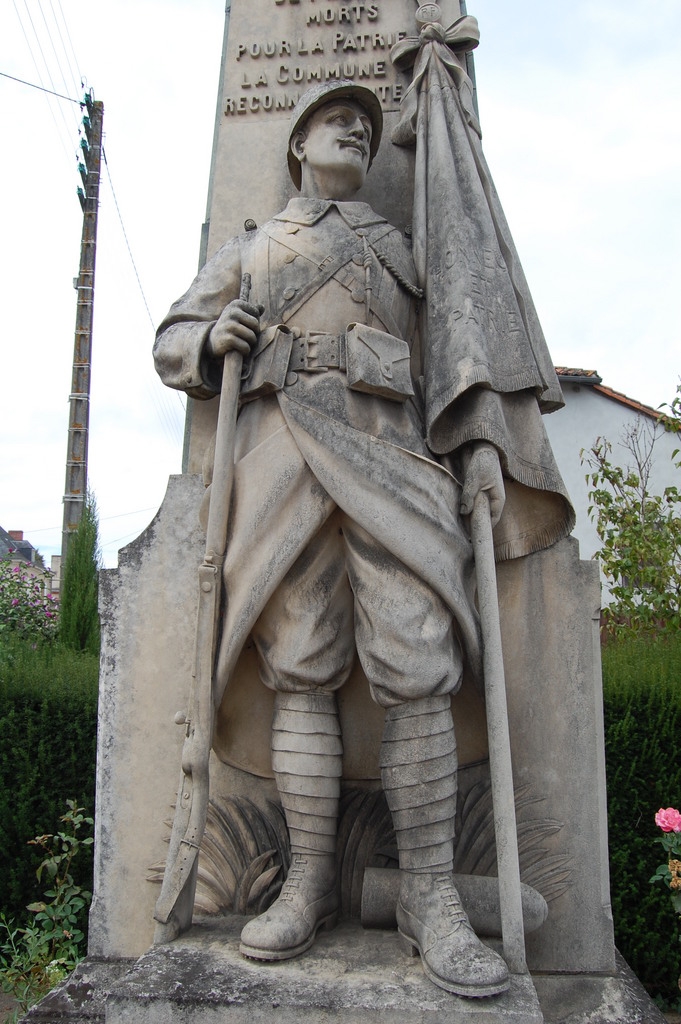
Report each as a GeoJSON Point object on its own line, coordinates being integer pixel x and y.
{"type": "Point", "coordinates": [580, 106]}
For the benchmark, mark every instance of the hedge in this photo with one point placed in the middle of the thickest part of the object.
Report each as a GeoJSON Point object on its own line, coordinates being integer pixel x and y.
{"type": "Point", "coordinates": [642, 702]}
{"type": "Point", "coordinates": [48, 725]}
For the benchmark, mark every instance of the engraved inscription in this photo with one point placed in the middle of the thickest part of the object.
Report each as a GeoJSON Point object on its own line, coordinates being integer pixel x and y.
{"type": "Point", "coordinates": [351, 13]}
{"type": "Point", "coordinates": [332, 40]}
{"type": "Point", "coordinates": [482, 306]}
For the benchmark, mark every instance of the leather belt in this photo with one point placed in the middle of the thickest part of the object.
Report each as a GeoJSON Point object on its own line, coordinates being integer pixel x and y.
{"type": "Point", "coordinates": [315, 352]}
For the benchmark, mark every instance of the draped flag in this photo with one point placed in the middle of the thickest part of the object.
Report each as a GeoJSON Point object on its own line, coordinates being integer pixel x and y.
{"type": "Point", "coordinates": [480, 322]}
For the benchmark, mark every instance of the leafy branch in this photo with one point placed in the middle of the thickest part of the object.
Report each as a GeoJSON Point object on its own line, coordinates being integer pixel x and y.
{"type": "Point", "coordinates": [36, 958]}
{"type": "Point", "coordinates": [640, 532]}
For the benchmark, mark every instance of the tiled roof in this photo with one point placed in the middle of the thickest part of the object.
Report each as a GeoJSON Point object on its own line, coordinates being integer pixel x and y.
{"type": "Point", "coordinates": [591, 378]}
{"type": "Point", "coordinates": [574, 374]}
{"type": "Point", "coordinates": [617, 396]}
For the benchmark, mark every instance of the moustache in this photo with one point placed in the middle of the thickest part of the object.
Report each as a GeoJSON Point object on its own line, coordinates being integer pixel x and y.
{"type": "Point", "coordinates": [355, 144]}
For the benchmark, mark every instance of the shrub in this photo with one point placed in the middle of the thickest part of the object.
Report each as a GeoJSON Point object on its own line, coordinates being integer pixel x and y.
{"type": "Point", "coordinates": [26, 608]}
{"type": "Point", "coordinates": [37, 957]}
{"type": "Point", "coordinates": [640, 532]}
{"type": "Point", "coordinates": [48, 724]}
{"type": "Point", "coordinates": [642, 702]}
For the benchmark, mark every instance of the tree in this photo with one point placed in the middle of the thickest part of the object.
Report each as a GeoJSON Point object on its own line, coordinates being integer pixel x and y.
{"type": "Point", "coordinates": [640, 532]}
{"type": "Point", "coordinates": [79, 617]}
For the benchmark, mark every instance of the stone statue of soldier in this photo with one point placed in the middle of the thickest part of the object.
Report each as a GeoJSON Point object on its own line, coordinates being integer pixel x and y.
{"type": "Point", "coordinates": [347, 536]}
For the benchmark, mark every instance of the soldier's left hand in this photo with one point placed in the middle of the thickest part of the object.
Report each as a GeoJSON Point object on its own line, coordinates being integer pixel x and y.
{"type": "Point", "coordinates": [483, 473]}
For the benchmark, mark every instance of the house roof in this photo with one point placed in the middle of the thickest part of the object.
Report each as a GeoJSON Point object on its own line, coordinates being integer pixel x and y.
{"type": "Point", "coordinates": [576, 376]}
{"type": "Point", "coordinates": [592, 379]}
{"type": "Point", "coordinates": [18, 548]}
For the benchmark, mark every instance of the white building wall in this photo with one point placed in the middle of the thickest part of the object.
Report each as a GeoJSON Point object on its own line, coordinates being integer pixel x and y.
{"type": "Point", "coordinates": [588, 414]}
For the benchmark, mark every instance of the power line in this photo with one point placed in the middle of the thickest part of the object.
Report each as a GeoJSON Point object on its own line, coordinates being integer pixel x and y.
{"type": "Point", "coordinates": [43, 87]}
{"type": "Point", "coordinates": [40, 87]}
{"type": "Point", "coordinates": [68, 36]}
{"type": "Point", "coordinates": [56, 55]}
{"type": "Point", "coordinates": [137, 512]}
{"type": "Point", "coordinates": [35, 33]}
{"type": "Point", "coordinates": [75, 77]}
{"type": "Point", "coordinates": [103, 519]}
{"type": "Point", "coordinates": [47, 68]}
{"type": "Point", "coordinates": [125, 236]}
{"type": "Point", "coordinates": [161, 407]}
{"type": "Point", "coordinates": [161, 402]}
{"type": "Point", "coordinates": [117, 540]}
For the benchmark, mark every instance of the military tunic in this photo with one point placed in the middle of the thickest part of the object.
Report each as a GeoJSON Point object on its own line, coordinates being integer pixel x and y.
{"type": "Point", "coordinates": [316, 461]}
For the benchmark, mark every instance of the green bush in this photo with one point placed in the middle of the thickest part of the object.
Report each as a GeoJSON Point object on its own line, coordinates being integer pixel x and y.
{"type": "Point", "coordinates": [35, 958]}
{"type": "Point", "coordinates": [640, 532]}
{"type": "Point", "coordinates": [48, 722]}
{"type": "Point", "coordinates": [642, 701]}
{"type": "Point", "coordinates": [27, 608]}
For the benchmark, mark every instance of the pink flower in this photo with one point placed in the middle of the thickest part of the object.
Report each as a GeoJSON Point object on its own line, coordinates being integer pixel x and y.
{"type": "Point", "coordinates": [15, 602]}
{"type": "Point", "coordinates": [668, 819]}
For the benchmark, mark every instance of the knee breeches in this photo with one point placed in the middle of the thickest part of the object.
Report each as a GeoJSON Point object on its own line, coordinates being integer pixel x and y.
{"type": "Point", "coordinates": [346, 593]}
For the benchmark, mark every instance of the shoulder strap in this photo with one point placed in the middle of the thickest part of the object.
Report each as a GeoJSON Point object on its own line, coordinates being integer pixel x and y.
{"type": "Point", "coordinates": [328, 265]}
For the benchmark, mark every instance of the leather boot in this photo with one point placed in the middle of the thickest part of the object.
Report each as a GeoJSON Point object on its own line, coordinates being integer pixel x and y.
{"type": "Point", "coordinates": [307, 758]}
{"type": "Point", "coordinates": [418, 769]}
{"type": "Point", "coordinates": [432, 922]}
{"type": "Point", "coordinates": [307, 902]}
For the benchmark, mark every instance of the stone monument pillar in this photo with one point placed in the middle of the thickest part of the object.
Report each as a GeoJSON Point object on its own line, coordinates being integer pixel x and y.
{"type": "Point", "coordinates": [275, 50]}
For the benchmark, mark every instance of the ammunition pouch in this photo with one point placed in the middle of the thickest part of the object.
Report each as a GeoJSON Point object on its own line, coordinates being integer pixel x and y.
{"type": "Point", "coordinates": [376, 363]}
{"type": "Point", "coordinates": [265, 369]}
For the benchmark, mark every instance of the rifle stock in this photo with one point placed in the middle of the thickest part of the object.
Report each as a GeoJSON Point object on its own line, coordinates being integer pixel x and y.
{"type": "Point", "coordinates": [175, 904]}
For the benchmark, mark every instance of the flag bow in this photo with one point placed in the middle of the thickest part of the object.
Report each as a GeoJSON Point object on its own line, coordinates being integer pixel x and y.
{"type": "Point", "coordinates": [416, 51]}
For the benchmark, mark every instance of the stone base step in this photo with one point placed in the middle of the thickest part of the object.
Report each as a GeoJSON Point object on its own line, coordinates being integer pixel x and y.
{"type": "Point", "coordinates": [350, 976]}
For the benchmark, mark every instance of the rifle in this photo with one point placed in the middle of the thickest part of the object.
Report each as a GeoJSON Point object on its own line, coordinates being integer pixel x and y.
{"type": "Point", "coordinates": [175, 904]}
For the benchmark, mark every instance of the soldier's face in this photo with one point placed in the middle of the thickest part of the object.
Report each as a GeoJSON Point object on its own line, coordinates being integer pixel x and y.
{"type": "Point", "coordinates": [335, 145]}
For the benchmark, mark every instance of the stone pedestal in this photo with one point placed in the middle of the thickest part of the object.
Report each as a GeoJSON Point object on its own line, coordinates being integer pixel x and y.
{"type": "Point", "coordinates": [350, 976]}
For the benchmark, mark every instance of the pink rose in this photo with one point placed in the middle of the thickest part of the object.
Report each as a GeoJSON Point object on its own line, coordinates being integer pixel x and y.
{"type": "Point", "coordinates": [668, 819]}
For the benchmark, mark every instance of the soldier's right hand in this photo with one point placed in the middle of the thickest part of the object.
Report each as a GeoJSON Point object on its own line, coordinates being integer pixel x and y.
{"type": "Point", "coordinates": [237, 329]}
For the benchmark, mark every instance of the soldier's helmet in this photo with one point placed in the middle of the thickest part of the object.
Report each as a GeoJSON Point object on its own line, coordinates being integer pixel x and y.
{"type": "Point", "coordinates": [316, 97]}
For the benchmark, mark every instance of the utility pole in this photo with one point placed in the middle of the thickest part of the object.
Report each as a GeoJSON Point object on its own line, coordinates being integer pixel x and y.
{"type": "Point", "coordinates": [75, 488]}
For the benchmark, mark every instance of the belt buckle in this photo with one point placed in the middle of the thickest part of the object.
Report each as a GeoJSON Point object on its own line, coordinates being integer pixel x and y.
{"type": "Point", "coordinates": [309, 351]}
